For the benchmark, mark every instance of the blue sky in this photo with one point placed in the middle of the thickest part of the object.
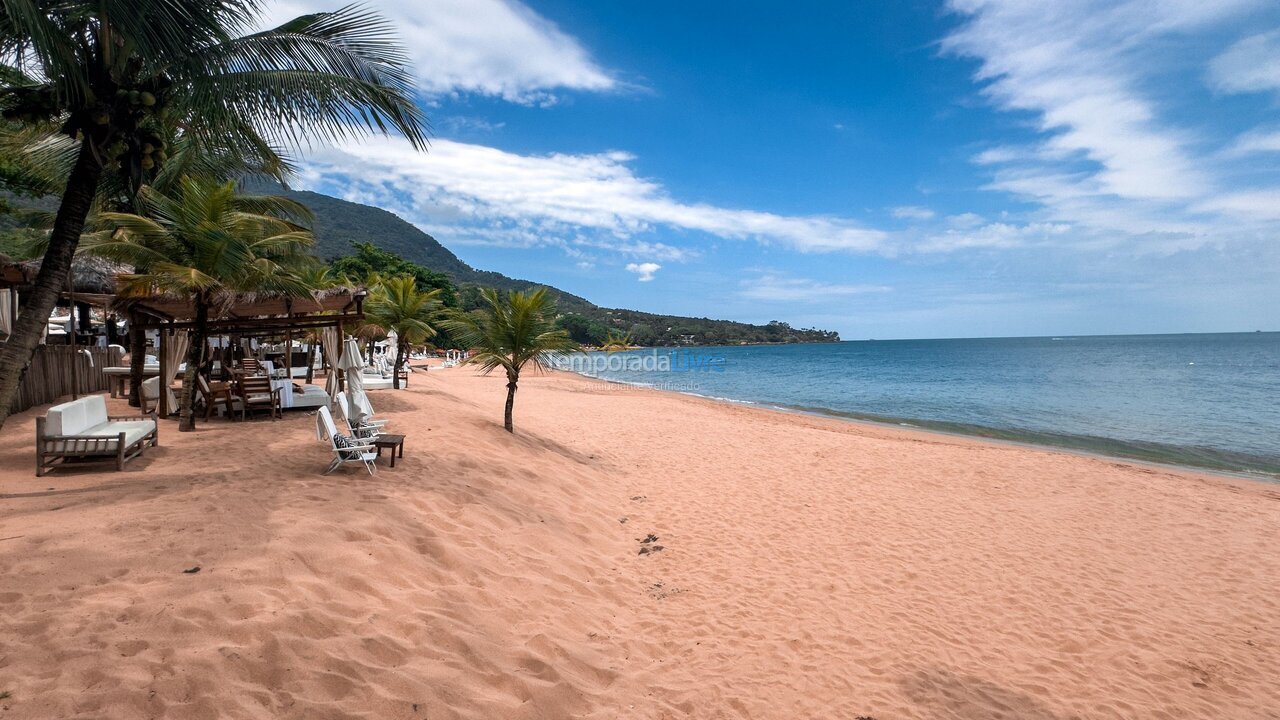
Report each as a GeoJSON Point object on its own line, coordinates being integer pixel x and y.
{"type": "Point", "coordinates": [897, 169]}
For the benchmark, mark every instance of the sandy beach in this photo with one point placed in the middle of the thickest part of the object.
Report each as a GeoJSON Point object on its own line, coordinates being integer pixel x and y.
{"type": "Point", "coordinates": [809, 568]}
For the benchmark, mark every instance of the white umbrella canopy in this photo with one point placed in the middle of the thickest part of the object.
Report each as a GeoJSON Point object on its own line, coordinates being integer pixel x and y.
{"type": "Point", "coordinates": [352, 363]}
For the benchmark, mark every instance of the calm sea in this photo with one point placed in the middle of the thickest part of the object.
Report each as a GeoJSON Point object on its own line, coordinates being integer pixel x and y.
{"type": "Point", "coordinates": [1211, 401]}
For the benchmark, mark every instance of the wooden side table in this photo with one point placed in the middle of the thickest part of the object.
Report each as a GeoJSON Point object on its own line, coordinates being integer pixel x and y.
{"type": "Point", "coordinates": [391, 442]}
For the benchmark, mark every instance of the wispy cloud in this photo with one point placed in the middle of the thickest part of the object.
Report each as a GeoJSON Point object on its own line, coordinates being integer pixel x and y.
{"type": "Point", "coordinates": [1110, 163]}
{"type": "Point", "coordinates": [1260, 140]}
{"type": "Point", "coordinates": [485, 195]}
{"type": "Point", "coordinates": [645, 271]}
{"type": "Point", "coordinates": [912, 212]}
{"type": "Point", "coordinates": [1250, 65]}
{"type": "Point", "coordinates": [499, 48]}
{"type": "Point", "coordinates": [773, 287]}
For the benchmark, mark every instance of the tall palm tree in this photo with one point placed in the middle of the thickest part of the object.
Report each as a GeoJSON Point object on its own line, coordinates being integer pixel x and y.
{"type": "Point", "coordinates": [397, 305]}
{"type": "Point", "coordinates": [510, 331]}
{"type": "Point", "coordinates": [113, 74]}
{"type": "Point", "coordinates": [209, 244]}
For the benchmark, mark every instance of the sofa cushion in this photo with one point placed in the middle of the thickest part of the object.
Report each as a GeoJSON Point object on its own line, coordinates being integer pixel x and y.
{"type": "Point", "coordinates": [72, 418]}
{"type": "Point", "coordinates": [65, 419]}
{"type": "Point", "coordinates": [134, 430]}
{"type": "Point", "coordinates": [95, 409]}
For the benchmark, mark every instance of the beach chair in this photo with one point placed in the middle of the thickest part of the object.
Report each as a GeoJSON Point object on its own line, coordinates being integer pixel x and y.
{"type": "Point", "coordinates": [256, 393]}
{"type": "Point", "coordinates": [344, 408]}
{"type": "Point", "coordinates": [210, 393]}
{"type": "Point", "coordinates": [346, 449]}
{"type": "Point", "coordinates": [369, 429]}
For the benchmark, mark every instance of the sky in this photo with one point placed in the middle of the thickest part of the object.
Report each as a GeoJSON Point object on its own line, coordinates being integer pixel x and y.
{"type": "Point", "coordinates": [907, 169]}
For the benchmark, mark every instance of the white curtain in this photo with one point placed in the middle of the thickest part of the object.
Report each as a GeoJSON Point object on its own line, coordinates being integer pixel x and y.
{"type": "Point", "coordinates": [6, 312]}
{"type": "Point", "coordinates": [329, 340]}
{"type": "Point", "coordinates": [175, 351]}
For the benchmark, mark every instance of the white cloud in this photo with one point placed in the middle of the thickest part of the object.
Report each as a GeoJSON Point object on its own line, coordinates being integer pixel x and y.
{"type": "Point", "coordinates": [481, 194]}
{"type": "Point", "coordinates": [644, 270]}
{"type": "Point", "coordinates": [1110, 163]}
{"type": "Point", "coordinates": [912, 212]}
{"type": "Point", "coordinates": [772, 287]}
{"type": "Point", "coordinates": [992, 235]}
{"type": "Point", "coordinates": [1250, 65]}
{"type": "Point", "coordinates": [1072, 64]}
{"type": "Point", "coordinates": [1262, 204]}
{"type": "Point", "coordinates": [1255, 141]}
{"type": "Point", "coordinates": [499, 48]}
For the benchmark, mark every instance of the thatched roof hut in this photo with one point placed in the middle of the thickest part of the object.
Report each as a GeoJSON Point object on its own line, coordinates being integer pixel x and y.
{"type": "Point", "coordinates": [89, 274]}
{"type": "Point", "coordinates": [247, 312]}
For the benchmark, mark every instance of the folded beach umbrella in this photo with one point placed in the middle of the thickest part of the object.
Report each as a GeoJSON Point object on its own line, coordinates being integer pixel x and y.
{"type": "Point", "coordinates": [352, 364]}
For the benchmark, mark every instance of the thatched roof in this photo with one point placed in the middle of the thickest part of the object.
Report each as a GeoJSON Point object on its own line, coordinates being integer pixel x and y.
{"type": "Point", "coordinates": [252, 310]}
{"type": "Point", "coordinates": [89, 274]}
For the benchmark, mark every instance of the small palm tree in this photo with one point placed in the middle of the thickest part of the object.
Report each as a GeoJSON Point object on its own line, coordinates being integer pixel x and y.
{"type": "Point", "coordinates": [509, 331]}
{"type": "Point", "coordinates": [111, 75]}
{"type": "Point", "coordinates": [209, 244]}
{"type": "Point", "coordinates": [397, 305]}
{"type": "Point", "coordinates": [616, 341]}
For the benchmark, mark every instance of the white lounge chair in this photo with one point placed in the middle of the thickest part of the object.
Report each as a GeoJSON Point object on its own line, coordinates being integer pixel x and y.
{"type": "Point", "coordinates": [359, 451]}
{"type": "Point", "coordinates": [369, 426]}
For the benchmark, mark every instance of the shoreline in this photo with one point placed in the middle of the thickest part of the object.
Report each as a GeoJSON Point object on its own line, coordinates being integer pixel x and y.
{"type": "Point", "coordinates": [1018, 438]}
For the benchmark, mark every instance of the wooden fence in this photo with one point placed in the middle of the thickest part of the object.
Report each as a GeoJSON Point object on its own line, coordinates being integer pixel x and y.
{"type": "Point", "coordinates": [49, 378]}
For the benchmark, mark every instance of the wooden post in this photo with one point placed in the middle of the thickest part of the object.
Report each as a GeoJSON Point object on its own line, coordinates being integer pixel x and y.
{"type": "Point", "coordinates": [75, 359]}
{"type": "Point", "coordinates": [164, 387]}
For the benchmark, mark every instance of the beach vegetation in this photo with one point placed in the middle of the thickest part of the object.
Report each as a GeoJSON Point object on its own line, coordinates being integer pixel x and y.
{"type": "Point", "coordinates": [512, 330]}
{"type": "Point", "coordinates": [210, 245]}
{"type": "Point", "coordinates": [398, 305]}
{"type": "Point", "coordinates": [106, 81]}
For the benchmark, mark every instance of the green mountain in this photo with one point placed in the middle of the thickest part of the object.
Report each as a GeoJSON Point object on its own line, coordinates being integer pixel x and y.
{"type": "Point", "coordinates": [339, 223]}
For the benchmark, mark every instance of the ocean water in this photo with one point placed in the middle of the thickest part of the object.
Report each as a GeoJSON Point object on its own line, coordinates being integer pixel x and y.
{"type": "Point", "coordinates": [1210, 401]}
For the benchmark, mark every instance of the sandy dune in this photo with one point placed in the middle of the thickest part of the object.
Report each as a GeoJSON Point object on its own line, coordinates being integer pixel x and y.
{"type": "Point", "coordinates": [809, 568]}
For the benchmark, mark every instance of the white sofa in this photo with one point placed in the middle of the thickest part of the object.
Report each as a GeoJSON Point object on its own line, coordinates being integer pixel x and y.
{"type": "Point", "coordinates": [81, 429]}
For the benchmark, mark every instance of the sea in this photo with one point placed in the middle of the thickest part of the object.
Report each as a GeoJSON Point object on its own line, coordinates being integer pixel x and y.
{"type": "Point", "coordinates": [1209, 401]}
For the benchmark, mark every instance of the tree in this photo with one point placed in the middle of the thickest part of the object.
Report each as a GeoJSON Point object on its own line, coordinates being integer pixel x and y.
{"type": "Point", "coordinates": [113, 73]}
{"type": "Point", "coordinates": [509, 332]}
{"type": "Point", "coordinates": [583, 329]}
{"type": "Point", "coordinates": [370, 260]}
{"type": "Point", "coordinates": [209, 244]}
{"type": "Point", "coordinates": [397, 305]}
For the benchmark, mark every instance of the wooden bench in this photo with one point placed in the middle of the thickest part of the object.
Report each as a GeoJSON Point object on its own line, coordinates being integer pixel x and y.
{"type": "Point", "coordinates": [82, 430]}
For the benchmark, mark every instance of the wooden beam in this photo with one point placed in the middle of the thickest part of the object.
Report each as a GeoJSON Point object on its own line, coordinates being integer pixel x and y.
{"type": "Point", "coordinates": [227, 325]}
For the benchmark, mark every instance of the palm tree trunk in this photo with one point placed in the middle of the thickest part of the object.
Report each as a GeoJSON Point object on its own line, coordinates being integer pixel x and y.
{"type": "Point", "coordinates": [137, 359]}
{"type": "Point", "coordinates": [512, 380]}
{"type": "Point", "coordinates": [195, 356]}
{"type": "Point", "coordinates": [311, 361]}
{"type": "Point", "coordinates": [15, 356]}
{"type": "Point", "coordinates": [401, 346]}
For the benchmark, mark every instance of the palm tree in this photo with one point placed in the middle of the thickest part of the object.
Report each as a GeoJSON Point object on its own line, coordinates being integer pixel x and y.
{"type": "Point", "coordinates": [209, 244]}
{"type": "Point", "coordinates": [616, 341]}
{"type": "Point", "coordinates": [509, 332]}
{"type": "Point", "coordinates": [397, 305]}
{"type": "Point", "coordinates": [112, 75]}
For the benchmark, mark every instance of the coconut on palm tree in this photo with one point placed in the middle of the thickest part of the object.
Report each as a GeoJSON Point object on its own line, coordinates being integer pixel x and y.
{"type": "Point", "coordinates": [510, 331]}
{"type": "Point", "coordinates": [112, 75]}
{"type": "Point", "coordinates": [208, 244]}
{"type": "Point", "coordinates": [396, 305]}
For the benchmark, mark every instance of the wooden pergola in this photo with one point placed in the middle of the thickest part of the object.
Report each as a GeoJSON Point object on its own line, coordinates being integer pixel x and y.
{"type": "Point", "coordinates": [252, 314]}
